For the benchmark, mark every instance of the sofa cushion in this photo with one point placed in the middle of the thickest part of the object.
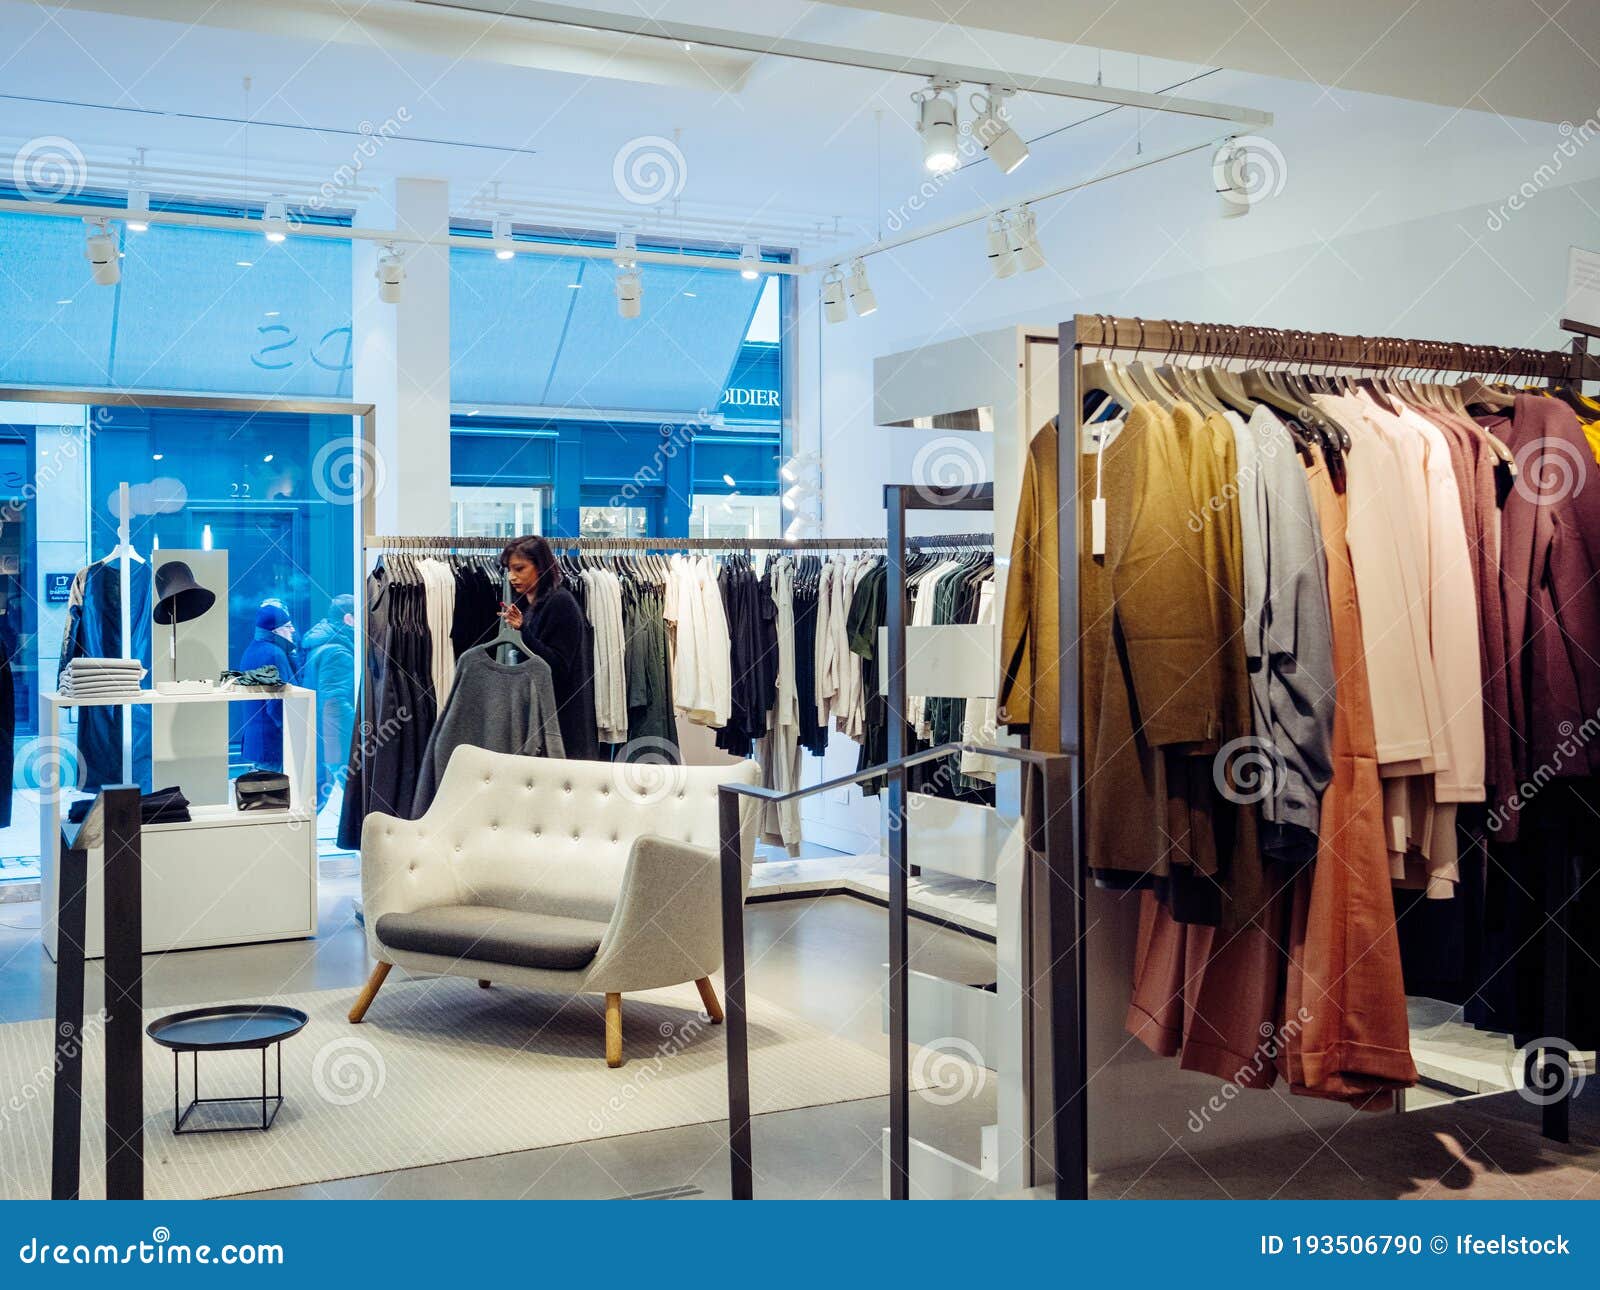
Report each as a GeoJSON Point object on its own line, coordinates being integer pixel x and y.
{"type": "Point", "coordinates": [483, 933]}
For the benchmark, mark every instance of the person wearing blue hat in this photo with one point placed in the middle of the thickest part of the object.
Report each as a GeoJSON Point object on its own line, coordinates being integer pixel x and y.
{"type": "Point", "coordinates": [261, 739]}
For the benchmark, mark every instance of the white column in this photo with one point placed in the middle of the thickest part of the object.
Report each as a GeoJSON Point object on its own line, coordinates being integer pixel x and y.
{"type": "Point", "coordinates": [402, 361]}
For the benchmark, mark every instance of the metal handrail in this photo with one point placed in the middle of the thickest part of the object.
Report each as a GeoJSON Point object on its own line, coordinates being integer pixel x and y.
{"type": "Point", "coordinates": [1056, 840]}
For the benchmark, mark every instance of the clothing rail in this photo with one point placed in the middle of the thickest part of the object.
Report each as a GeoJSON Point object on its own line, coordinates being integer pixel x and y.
{"type": "Point", "coordinates": [1267, 346]}
{"type": "Point", "coordinates": [389, 542]}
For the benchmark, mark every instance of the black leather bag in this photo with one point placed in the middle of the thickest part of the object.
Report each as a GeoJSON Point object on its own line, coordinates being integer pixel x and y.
{"type": "Point", "coordinates": [262, 790]}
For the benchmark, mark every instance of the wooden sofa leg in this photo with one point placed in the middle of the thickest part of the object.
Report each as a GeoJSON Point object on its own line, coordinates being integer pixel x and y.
{"type": "Point", "coordinates": [482, 984]}
{"type": "Point", "coordinates": [613, 1030]}
{"type": "Point", "coordinates": [369, 992]}
{"type": "Point", "coordinates": [708, 996]}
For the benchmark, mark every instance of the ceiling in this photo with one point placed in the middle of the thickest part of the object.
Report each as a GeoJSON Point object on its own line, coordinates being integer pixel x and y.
{"type": "Point", "coordinates": [541, 120]}
{"type": "Point", "coordinates": [1538, 59]}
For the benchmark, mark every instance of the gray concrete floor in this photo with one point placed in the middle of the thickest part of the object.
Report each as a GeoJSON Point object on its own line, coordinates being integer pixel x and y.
{"type": "Point", "coordinates": [821, 959]}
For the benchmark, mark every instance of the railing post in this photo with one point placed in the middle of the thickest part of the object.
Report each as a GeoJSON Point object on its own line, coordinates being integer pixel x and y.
{"type": "Point", "coordinates": [735, 1015]}
{"type": "Point", "coordinates": [124, 966]}
{"type": "Point", "coordinates": [66, 1110]}
{"type": "Point", "coordinates": [894, 694]}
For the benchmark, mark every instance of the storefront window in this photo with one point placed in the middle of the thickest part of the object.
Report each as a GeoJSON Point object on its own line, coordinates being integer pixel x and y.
{"type": "Point", "coordinates": [734, 516]}
{"type": "Point", "coordinates": [488, 512]}
{"type": "Point", "coordinates": [614, 521]}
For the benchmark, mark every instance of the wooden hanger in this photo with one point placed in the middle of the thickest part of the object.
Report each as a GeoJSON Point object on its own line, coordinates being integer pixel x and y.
{"type": "Point", "coordinates": [1105, 376]}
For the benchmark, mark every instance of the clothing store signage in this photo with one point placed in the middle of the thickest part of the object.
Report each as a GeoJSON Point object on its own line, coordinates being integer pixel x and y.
{"type": "Point", "coordinates": [742, 397]}
{"type": "Point", "coordinates": [1583, 287]}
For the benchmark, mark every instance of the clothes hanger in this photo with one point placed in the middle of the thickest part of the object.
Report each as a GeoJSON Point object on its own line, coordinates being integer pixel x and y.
{"type": "Point", "coordinates": [1223, 381]}
{"type": "Point", "coordinates": [1101, 375]}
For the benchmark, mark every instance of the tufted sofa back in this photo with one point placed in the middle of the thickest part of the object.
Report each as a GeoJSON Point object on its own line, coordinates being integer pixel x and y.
{"type": "Point", "coordinates": [551, 836]}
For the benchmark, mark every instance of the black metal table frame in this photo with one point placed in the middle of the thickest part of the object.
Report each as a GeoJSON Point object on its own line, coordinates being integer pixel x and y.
{"type": "Point", "coordinates": [276, 1099]}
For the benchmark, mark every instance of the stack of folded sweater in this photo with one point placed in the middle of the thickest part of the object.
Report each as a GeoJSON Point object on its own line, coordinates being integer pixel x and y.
{"type": "Point", "coordinates": [164, 806]}
{"type": "Point", "coordinates": [101, 678]}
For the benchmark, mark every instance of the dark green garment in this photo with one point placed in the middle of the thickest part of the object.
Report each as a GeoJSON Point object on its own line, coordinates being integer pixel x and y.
{"type": "Point", "coordinates": [652, 728]}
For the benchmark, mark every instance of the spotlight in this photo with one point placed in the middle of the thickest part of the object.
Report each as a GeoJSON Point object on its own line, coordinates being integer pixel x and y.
{"type": "Point", "coordinates": [1001, 260]}
{"type": "Point", "coordinates": [1004, 146]}
{"type": "Point", "coordinates": [391, 276]}
{"type": "Point", "coordinates": [629, 289]}
{"type": "Point", "coordinates": [100, 249]}
{"type": "Point", "coordinates": [275, 220]}
{"type": "Point", "coordinates": [862, 299]}
{"type": "Point", "coordinates": [749, 262]}
{"type": "Point", "coordinates": [833, 296]}
{"type": "Point", "coordinates": [936, 123]}
{"type": "Point", "coordinates": [1022, 236]}
{"type": "Point", "coordinates": [501, 236]}
{"type": "Point", "coordinates": [800, 466]}
{"type": "Point", "coordinates": [1228, 165]}
{"type": "Point", "coordinates": [138, 208]}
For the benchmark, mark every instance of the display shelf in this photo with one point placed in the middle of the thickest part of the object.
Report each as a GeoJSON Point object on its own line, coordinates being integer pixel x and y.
{"type": "Point", "coordinates": [226, 876]}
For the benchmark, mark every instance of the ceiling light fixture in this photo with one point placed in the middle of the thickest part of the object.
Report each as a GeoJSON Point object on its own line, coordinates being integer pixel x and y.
{"type": "Point", "coordinates": [1003, 145]}
{"type": "Point", "coordinates": [1001, 261]}
{"type": "Point", "coordinates": [936, 123]}
{"type": "Point", "coordinates": [1022, 236]}
{"type": "Point", "coordinates": [138, 209]}
{"type": "Point", "coordinates": [100, 249]}
{"type": "Point", "coordinates": [391, 276]}
{"type": "Point", "coordinates": [833, 295]}
{"type": "Point", "coordinates": [502, 238]}
{"type": "Point", "coordinates": [629, 288]}
{"type": "Point", "coordinates": [750, 262]}
{"type": "Point", "coordinates": [275, 219]}
{"type": "Point", "coordinates": [862, 298]}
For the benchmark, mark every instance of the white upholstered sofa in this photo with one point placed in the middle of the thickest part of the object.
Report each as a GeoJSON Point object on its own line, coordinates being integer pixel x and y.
{"type": "Point", "coordinates": [569, 876]}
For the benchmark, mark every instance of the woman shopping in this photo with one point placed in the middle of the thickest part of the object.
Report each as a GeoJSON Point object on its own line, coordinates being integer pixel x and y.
{"type": "Point", "coordinates": [553, 627]}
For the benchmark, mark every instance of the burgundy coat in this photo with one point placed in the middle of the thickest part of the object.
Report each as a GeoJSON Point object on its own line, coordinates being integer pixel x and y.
{"type": "Point", "coordinates": [1550, 585]}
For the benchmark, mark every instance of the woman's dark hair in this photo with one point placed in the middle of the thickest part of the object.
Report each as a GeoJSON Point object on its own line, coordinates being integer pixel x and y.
{"type": "Point", "coordinates": [536, 551]}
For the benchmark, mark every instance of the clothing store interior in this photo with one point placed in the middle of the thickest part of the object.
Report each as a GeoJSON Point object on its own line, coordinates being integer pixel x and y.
{"type": "Point", "coordinates": [866, 605]}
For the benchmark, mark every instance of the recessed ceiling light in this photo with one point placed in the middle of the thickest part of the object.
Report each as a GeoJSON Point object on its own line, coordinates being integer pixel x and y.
{"type": "Point", "coordinates": [689, 295]}
{"type": "Point", "coordinates": [730, 481]}
{"type": "Point", "coordinates": [574, 286]}
{"type": "Point", "coordinates": [472, 412]}
{"type": "Point", "coordinates": [267, 458]}
{"type": "Point", "coordinates": [157, 456]}
{"type": "Point", "coordinates": [272, 313]}
{"type": "Point", "coordinates": [66, 301]}
{"type": "Point", "coordinates": [245, 264]}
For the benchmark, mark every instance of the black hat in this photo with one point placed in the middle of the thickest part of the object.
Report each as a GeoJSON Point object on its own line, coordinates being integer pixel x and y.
{"type": "Point", "coordinates": [179, 597]}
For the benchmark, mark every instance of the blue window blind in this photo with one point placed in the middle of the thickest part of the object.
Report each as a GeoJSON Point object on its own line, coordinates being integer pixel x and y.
{"type": "Point", "coordinates": [546, 333]}
{"type": "Point", "coordinates": [187, 314]}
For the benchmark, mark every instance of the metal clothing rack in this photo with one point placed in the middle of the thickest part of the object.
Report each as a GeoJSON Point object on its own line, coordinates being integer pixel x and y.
{"type": "Point", "coordinates": [1276, 347]}
{"type": "Point", "coordinates": [376, 542]}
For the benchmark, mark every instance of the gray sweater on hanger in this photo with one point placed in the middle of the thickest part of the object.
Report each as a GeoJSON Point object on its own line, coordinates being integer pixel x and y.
{"type": "Point", "coordinates": [504, 707]}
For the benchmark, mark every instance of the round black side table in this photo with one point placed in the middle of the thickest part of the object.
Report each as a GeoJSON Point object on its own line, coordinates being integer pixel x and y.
{"type": "Point", "coordinates": [227, 1029]}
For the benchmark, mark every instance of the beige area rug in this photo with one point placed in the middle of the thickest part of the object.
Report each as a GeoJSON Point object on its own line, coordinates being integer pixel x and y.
{"type": "Point", "coordinates": [439, 1071]}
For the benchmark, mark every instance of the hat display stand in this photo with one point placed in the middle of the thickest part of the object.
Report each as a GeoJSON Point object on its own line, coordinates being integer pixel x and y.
{"type": "Point", "coordinates": [179, 598]}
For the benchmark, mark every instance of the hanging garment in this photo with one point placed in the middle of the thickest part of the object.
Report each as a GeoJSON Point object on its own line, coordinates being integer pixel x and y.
{"type": "Point", "coordinates": [439, 599]}
{"type": "Point", "coordinates": [813, 730]}
{"type": "Point", "coordinates": [475, 617]}
{"type": "Point", "coordinates": [1345, 992]}
{"type": "Point", "coordinates": [652, 732]}
{"type": "Point", "coordinates": [97, 632]}
{"type": "Point", "coordinates": [1286, 631]}
{"type": "Point", "coordinates": [979, 725]}
{"type": "Point", "coordinates": [504, 707]}
{"type": "Point", "coordinates": [779, 748]}
{"type": "Point", "coordinates": [8, 727]}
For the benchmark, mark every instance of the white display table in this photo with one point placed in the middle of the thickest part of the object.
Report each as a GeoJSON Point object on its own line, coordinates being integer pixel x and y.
{"type": "Point", "coordinates": [224, 877]}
